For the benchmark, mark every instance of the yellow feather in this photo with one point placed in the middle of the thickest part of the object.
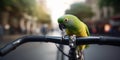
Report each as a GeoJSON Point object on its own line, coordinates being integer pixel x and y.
{"type": "Point", "coordinates": [82, 32]}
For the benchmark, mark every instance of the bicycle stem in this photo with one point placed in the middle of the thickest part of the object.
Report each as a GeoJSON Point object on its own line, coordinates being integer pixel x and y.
{"type": "Point", "coordinates": [72, 45]}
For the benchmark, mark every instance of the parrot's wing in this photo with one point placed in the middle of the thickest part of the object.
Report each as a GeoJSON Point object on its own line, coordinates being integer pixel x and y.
{"type": "Point", "coordinates": [88, 33]}
{"type": "Point", "coordinates": [86, 29]}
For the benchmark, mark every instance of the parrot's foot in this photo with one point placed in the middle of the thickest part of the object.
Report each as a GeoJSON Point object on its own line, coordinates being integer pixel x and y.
{"type": "Point", "coordinates": [72, 37]}
{"type": "Point", "coordinates": [80, 55]}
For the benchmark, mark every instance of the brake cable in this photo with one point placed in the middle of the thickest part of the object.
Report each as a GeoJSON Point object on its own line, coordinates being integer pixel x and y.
{"type": "Point", "coordinates": [59, 48]}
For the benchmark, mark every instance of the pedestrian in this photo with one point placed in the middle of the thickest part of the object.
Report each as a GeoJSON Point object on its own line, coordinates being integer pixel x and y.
{"type": "Point", "coordinates": [1, 32]}
{"type": "Point", "coordinates": [44, 29]}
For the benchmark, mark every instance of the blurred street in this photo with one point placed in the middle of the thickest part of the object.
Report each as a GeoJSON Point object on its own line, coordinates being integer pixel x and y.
{"type": "Point", "coordinates": [29, 51]}
{"type": "Point", "coordinates": [40, 17]}
{"type": "Point", "coordinates": [48, 51]}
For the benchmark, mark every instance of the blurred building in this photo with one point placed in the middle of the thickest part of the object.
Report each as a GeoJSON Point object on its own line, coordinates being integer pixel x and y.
{"type": "Point", "coordinates": [32, 24]}
{"type": "Point", "coordinates": [100, 14]}
{"type": "Point", "coordinates": [105, 22]}
{"type": "Point", "coordinates": [17, 22]}
{"type": "Point", "coordinates": [95, 9]}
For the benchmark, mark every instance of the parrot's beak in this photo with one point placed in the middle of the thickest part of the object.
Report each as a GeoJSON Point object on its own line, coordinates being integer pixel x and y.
{"type": "Point", "coordinates": [62, 26]}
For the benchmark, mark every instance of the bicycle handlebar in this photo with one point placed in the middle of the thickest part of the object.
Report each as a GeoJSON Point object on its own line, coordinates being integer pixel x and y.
{"type": "Point", "coordinates": [102, 40]}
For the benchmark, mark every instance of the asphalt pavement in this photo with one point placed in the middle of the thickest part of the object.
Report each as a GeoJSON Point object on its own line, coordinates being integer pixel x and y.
{"type": "Point", "coordinates": [30, 51]}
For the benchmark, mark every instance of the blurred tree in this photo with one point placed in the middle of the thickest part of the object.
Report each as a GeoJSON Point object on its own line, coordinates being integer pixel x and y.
{"type": "Point", "coordinates": [42, 15]}
{"type": "Point", "coordinates": [14, 8]}
{"type": "Point", "coordinates": [115, 4]}
{"type": "Point", "coordinates": [17, 7]}
{"type": "Point", "coordinates": [80, 10]}
{"type": "Point", "coordinates": [14, 5]}
{"type": "Point", "coordinates": [12, 11]}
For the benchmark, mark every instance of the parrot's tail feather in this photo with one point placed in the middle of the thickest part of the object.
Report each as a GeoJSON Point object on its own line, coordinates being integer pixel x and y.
{"type": "Point", "coordinates": [80, 55]}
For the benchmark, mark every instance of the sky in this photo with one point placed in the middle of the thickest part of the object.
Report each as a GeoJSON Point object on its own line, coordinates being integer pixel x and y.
{"type": "Point", "coordinates": [57, 8]}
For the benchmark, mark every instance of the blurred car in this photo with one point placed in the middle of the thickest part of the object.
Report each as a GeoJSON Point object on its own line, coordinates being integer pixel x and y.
{"type": "Point", "coordinates": [115, 25]}
{"type": "Point", "coordinates": [110, 27]}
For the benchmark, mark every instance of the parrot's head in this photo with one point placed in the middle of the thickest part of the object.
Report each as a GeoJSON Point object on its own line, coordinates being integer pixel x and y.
{"type": "Point", "coordinates": [67, 21]}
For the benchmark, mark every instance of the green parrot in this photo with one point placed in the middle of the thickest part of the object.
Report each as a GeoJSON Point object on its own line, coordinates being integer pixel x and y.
{"type": "Point", "coordinates": [74, 26]}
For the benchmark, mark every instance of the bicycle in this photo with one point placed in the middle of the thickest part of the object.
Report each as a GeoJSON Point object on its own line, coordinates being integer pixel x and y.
{"type": "Point", "coordinates": [72, 43]}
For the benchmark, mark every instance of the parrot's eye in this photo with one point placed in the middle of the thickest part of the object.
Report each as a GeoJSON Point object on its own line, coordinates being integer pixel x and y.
{"type": "Point", "coordinates": [65, 20]}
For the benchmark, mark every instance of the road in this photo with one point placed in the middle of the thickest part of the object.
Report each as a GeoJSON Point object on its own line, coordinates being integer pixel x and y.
{"type": "Point", "coordinates": [30, 51]}
{"type": "Point", "coordinates": [48, 51]}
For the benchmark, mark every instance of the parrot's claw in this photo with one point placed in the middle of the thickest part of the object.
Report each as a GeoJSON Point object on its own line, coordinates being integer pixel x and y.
{"type": "Point", "coordinates": [73, 37]}
{"type": "Point", "coordinates": [80, 55]}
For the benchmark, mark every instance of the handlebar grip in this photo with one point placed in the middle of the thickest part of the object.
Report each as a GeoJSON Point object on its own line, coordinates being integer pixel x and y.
{"type": "Point", "coordinates": [8, 48]}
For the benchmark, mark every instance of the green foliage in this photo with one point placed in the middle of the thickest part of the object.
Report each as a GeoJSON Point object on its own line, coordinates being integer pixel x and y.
{"type": "Point", "coordinates": [41, 14]}
{"type": "Point", "coordinates": [17, 5]}
{"type": "Point", "coordinates": [80, 10]}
